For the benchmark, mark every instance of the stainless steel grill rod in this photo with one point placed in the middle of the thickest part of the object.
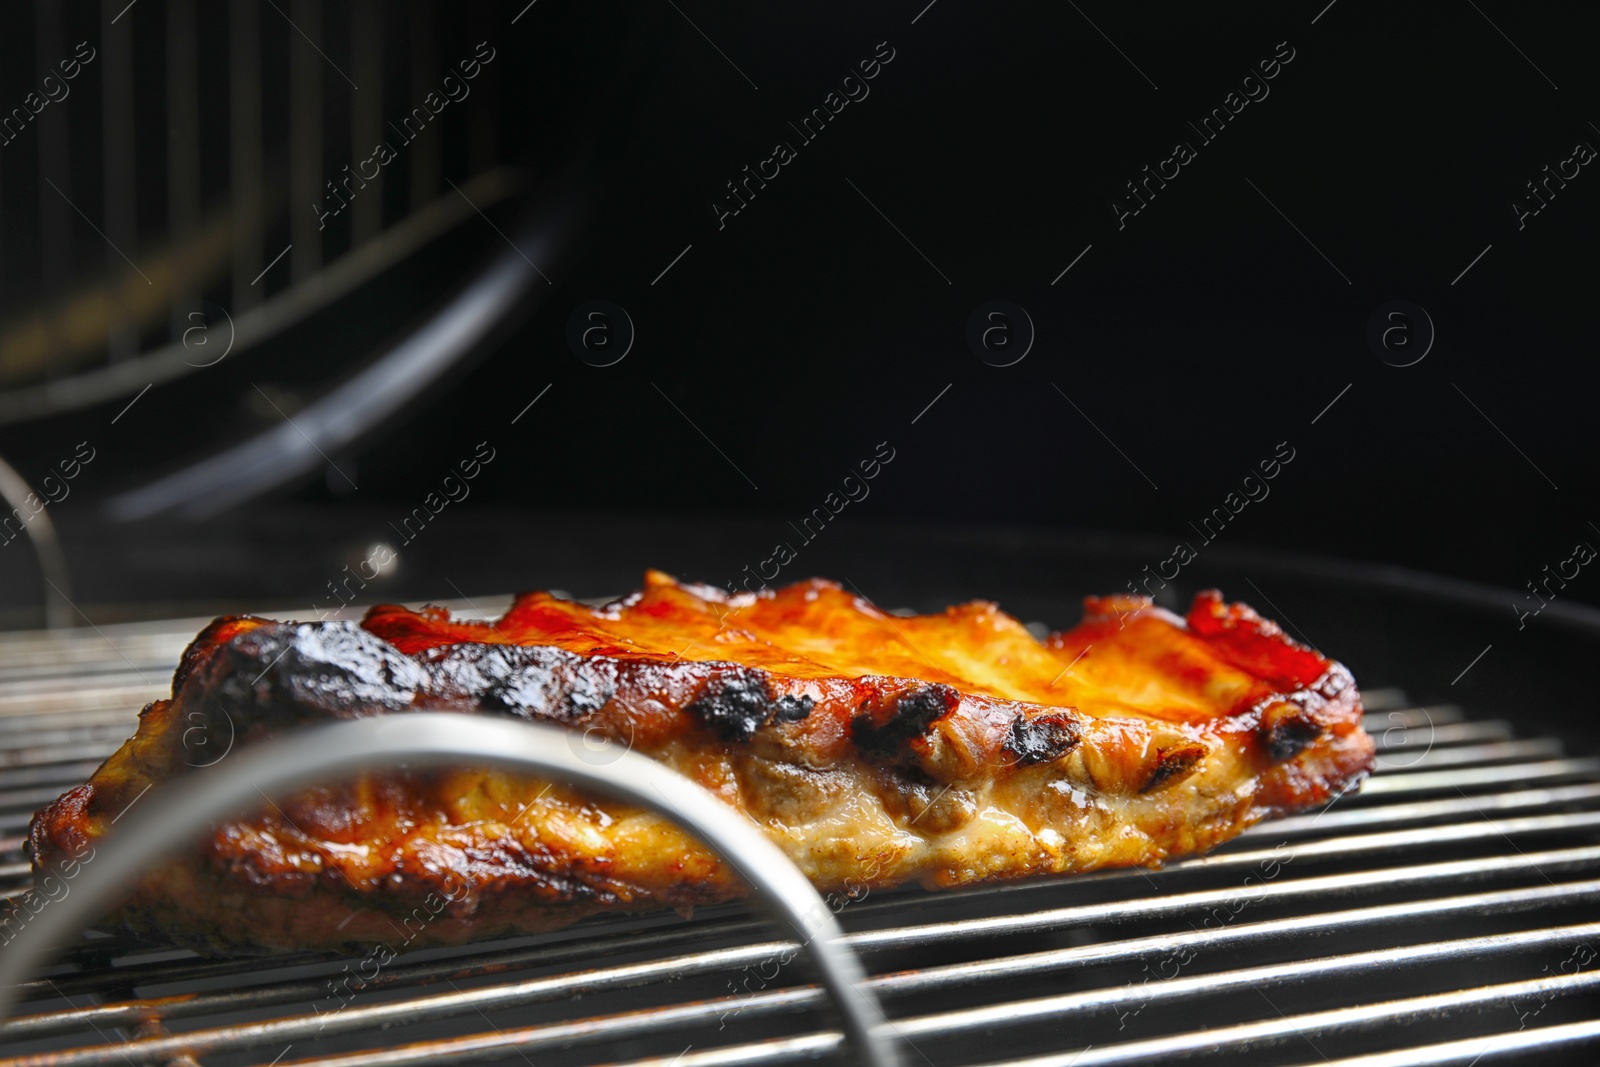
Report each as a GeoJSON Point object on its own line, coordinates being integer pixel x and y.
{"type": "Point", "coordinates": [899, 985]}
{"type": "Point", "coordinates": [994, 1017]}
{"type": "Point", "coordinates": [1141, 907]}
{"type": "Point", "coordinates": [1284, 1028]}
{"type": "Point", "coordinates": [519, 993]}
{"type": "Point", "coordinates": [1384, 785]}
{"type": "Point", "coordinates": [177, 815]}
{"type": "Point", "coordinates": [1239, 1038]}
{"type": "Point", "coordinates": [1477, 1050]}
{"type": "Point", "coordinates": [1303, 890]}
{"type": "Point", "coordinates": [1423, 810]}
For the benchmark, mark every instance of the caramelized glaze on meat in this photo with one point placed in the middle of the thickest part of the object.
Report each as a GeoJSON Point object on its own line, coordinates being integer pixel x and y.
{"type": "Point", "coordinates": [874, 750]}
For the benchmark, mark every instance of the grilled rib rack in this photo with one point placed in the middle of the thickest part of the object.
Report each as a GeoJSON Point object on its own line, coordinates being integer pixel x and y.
{"type": "Point", "coordinates": [1445, 914]}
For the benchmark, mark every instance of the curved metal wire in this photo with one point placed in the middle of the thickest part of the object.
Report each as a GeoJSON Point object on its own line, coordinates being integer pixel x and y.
{"type": "Point", "coordinates": [15, 491]}
{"type": "Point", "coordinates": [263, 322]}
{"type": "Point", "coordinates": [297, 448]}
{"type": "Point", "coordinates": [178, 813]}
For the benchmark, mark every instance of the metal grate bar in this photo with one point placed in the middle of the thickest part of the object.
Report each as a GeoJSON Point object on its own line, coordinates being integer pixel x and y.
{"type": "Point", "coordinates": [183, 142]}
{"type": "Point", "coordinates": [118, 140]}
{"type": "Point", "coordinates": [97, 736]}
{"type": "Point", "coordinates": [633, 1024]}
{"type": "Point", "coordinates": [433, 1006]}
{"type": "Point", "coordinates": [1531, 748]}
{"type": "Point", "coordinates": [1383, 786]}
{"type": "Point", "coordinates": [1403, 840]}
{"type": "Point", "coordinates": [1276, 930]}
{"type": "Point", "coordinates": [595, 937]}
{"type": "Point", "coordinates": [245, 146]}
{"type": "Point", "coordinates": [119, 717]}
{"type": "Point", "coordinates": [913, 983]}
{"type": "Point", "coordinates": [1390, 738]}
{"type": "Point", "coordinates": [311, 989]}
{"type": "Point", "coordinates": [1251, 1037]}
{"type": "Point", "coordinates": [673, 968]}
{"type": "Point", "coordinates": [42, 757]}
{"type": "Point", "coordinates": [1286, 1029]}
{"type": "Point", "coordinates": [68, 774]}
{"type": "Point", "coordinates": [1154, 907]}
{"type": "Point", "coordinates": [761, 1054]}
{"type": "Point", "coordinates": [1383, 698]}
{"type": "Point", "coordinates": [47, 678]}
{"type": "Point", "coordinates": [1424, 810]}
{"type": "Point", "coordinates": [305, 138]}
{"type": "Point", "coordinates": [1398, 716]}
{"type": "Point", "coordinates": [121, 677]}
{"type": "Point", "coordinates": [125, 697]}
{"type": "Point", "coordinates": [1477, 1050]}
{"type": "Point", "coordinates": [1002, 1016]}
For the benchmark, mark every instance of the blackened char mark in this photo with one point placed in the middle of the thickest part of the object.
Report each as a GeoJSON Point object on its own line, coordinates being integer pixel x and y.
{"type": "Point", "coordinates": [793, 709]}
{"type": "Point", "coordinates": [914, 712]}
{"type": "Point", "coordinates": [1172, 766]}
{"type": "Point", "coordinates": [1287, 728]}
{"type": "Point", "coordinates": [736, 701]}
{"type": "Point", "coordinates": [534, 682]}
{"type": "Point", "coordinates": [337, 669]}
{"type": "Point", "coordinates": [1041, 739]}
{"type": "Point", "coordinates": [1291, 736]}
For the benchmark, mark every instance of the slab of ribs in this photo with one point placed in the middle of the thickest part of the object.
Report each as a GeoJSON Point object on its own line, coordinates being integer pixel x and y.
{"type": "Point", "coordinates": [873, 749]}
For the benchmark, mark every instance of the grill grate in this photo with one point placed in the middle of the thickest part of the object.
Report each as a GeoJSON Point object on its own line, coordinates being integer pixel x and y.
{"type": "Point", "coordinates": [1442, 915]}
{"type": "Point", "coordinates": [261, 122]}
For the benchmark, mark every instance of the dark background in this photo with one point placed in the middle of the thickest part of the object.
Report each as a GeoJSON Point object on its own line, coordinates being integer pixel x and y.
{"type": "Point", "coordinates": [782, 349]}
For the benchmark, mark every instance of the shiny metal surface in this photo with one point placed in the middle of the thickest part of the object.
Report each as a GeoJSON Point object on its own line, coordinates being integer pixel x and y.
{"type": "Point", "coordinates": [94, 327]}
{"type": "Point", "coordinates": [175, 814]}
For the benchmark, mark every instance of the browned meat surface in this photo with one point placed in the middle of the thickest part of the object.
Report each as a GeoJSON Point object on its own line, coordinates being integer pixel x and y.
{"type": "Point", "coordinates": [874, 750]}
